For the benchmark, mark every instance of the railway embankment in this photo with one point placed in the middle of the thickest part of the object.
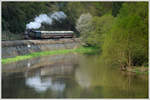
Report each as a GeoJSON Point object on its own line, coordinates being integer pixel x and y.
{"type": "Point", "coordinates": [21, 47]}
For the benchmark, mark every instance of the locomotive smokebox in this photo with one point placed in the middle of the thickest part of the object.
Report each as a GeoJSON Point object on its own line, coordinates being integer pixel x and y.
{"type": "Point", "coordinates": [26, 33]}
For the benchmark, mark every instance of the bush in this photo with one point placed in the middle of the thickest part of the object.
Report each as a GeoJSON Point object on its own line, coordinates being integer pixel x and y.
{"type": "Point", "coordinates": [6, 35]}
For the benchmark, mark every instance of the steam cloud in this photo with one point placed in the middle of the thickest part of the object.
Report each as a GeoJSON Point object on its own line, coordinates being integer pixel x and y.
{"type": "Point", "coordinates": [44, 18]}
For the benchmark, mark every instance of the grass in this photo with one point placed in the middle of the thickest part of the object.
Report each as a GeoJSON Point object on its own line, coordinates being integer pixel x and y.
{"type": "Point", "coordinates": [139, 71]}
{"type": "Point", "coordinates": [44, 53]}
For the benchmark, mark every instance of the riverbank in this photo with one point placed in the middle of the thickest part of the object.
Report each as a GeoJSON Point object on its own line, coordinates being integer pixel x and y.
{"type": "Point", "coordinates": [45, 53]}
{"type": "Point", "coordinates": [138, 69]}
{"type": "Point", "coordinates": [15, 48]}
{"type": "Point", "coordinates": [87, 50]}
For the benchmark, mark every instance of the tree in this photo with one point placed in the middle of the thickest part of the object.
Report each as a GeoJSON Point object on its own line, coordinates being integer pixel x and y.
{"type": "Point", "coordinates": [93, 29]}
{"type": "Point", "coordinates": [100, 26]}
{"type": "Point", "coordinates": [84, 26]}
{"type": "Point", "coordinates": [116, 7]}
{"type": "Point", "coordinates": [127, 42]}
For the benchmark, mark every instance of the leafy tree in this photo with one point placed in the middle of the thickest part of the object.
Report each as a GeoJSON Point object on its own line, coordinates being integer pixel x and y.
{"type": "Point", "coordinates": [116, 7]}
{"type": "Point", "coordinates": [93, 29]}
{"type": "Point", "coordinates": [84, 26]}
{"type": "Point", "coordinates": [75, 9]}
{"type": "Point", "coordinates": [100, 26]}
{"type": "Point", "coordinates": [128, 39]}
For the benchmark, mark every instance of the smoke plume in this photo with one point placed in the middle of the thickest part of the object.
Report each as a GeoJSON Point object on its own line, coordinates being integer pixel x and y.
{"type": "Point", "coordinates": [44, 18]}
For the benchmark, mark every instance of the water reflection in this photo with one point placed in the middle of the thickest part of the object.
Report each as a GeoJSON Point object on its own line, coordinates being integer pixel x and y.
{"type": "Point", "coordinates": [38, 84]}
{"type": "Point", "coordinates": [69, 76]}
{"type": "Point", "coordinates": [42, 79]}
{"type": "Point", "coordinates": [82, 78]}
{"type": "Point", "coordinates": [42, 85]}
{"type": "Point", "coordinates": [29, 64]}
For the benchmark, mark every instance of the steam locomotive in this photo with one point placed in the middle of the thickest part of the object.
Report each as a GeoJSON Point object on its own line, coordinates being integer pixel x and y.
{"type": "Point", "coordinates": [33, 34]}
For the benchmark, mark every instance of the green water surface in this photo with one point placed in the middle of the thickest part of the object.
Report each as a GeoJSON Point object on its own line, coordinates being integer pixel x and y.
{"type": "Point", "coordinates": [70, 76]}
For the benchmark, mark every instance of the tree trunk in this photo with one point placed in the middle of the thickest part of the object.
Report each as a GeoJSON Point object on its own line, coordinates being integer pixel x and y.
{"type": "Point", "coordinates": [129, 59]}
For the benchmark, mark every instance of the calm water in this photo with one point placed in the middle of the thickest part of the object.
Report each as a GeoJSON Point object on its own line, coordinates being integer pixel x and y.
{"type": "Point", "coordinates": [70, 76]}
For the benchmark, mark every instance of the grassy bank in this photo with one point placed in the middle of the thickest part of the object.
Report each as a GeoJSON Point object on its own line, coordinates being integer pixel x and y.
{"type": "Point", "coordinates": [44, 53]}
{"type": "Point", "coordinates": [138, 69]}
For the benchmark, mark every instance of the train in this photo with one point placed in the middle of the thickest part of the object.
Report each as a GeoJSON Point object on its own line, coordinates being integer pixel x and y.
{"type": "Point", "coordinates": [34, 34]}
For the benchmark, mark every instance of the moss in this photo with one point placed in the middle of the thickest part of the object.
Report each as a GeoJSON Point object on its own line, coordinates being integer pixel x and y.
{"type": "Point", "coordinates": [85, 50]}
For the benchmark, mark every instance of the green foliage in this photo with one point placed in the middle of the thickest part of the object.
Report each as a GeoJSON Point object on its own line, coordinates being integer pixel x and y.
{"type": "Point", "coordinates": [75, 9]}
{"type": "Point", "coordinates": [116, 7]}
{"type": "Point", "coordinates": [93, 29]}
{"type": "Point", "coordinates": [83, 26]}
{"type": "Point", "coordinates": [123, 39]}
{"type": "Point", "coordinates": [99, 28]}
{"type": "Point", "coordinates": [10, 36]}
{"type": "Point", "coordinates": [127, 42]}
{"type": "Point", "coordinates": [15, 15]}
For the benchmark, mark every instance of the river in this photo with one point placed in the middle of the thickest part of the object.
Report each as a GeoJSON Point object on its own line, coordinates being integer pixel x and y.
{"type": "Point", "coordinates": [70, 76]}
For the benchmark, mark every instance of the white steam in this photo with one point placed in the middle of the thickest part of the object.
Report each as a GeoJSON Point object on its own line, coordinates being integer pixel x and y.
{"type": "Point", "coordinates": [44, 18]}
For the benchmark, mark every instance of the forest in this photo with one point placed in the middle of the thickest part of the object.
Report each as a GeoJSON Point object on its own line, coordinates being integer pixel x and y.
{"type": "Point", "coordinates": [118, 29]}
